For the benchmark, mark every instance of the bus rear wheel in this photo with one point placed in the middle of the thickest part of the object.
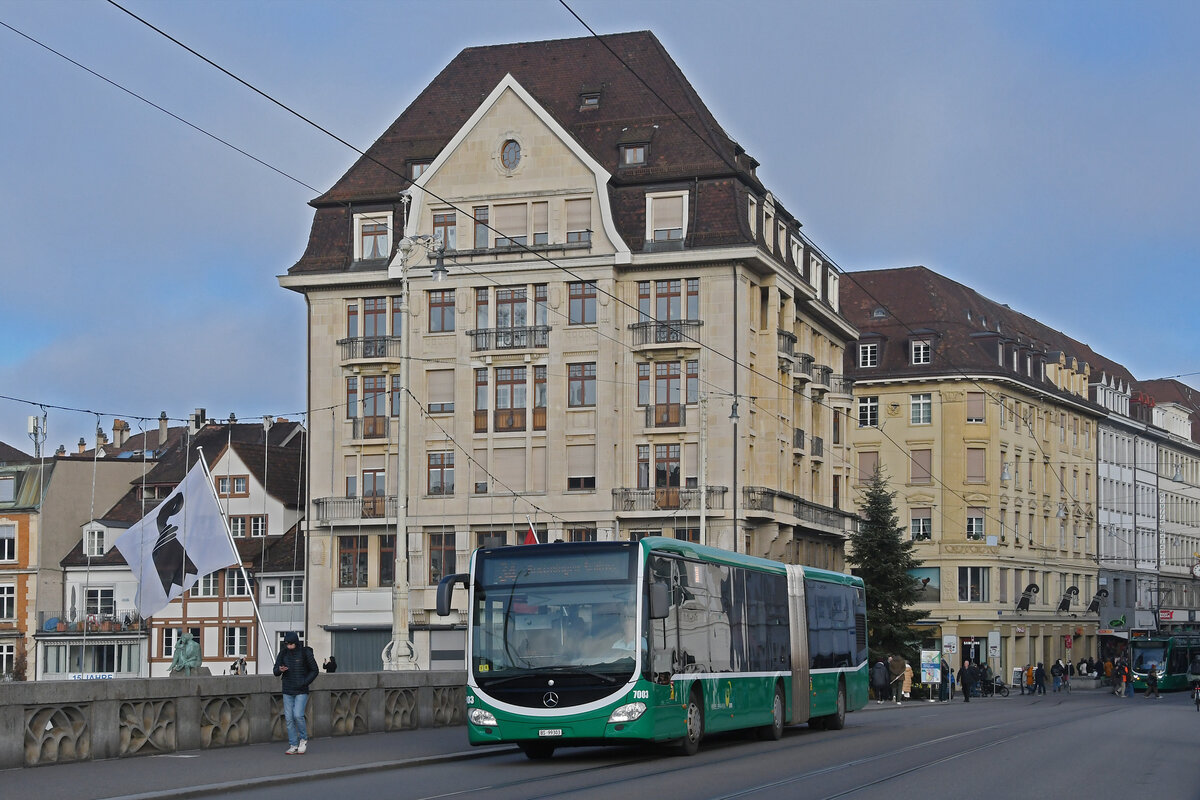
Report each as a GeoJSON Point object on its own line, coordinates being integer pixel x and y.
{"type": "Point", "coordinates": [690, 743]}
{"type": "Point", "coordinates": [539, 751]}
{"type": "Point", "coordinates": [774, 731]}
{"type": "Point", "coordinates": [837, 720]}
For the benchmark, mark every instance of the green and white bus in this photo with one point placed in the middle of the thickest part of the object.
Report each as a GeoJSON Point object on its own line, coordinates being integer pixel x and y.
{"type": "Point", "coordinates": [590, 643]}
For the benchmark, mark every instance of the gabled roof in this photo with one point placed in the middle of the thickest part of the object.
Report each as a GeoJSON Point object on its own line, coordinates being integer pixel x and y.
{"type": "Point", "coordinates": [687, 147]}
{"type": "Point", "coordinates": [9, 453]}
{"type": "Point", "coordinates": [968, 329]}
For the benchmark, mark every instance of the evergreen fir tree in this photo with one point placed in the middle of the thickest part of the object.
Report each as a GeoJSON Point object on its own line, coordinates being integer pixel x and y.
{"type": "Point", "coordinates": [882, 556]}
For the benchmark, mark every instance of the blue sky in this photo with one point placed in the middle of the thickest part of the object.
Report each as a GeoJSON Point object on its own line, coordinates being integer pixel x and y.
{"type": "Point", "coordinates": [1047, 155]}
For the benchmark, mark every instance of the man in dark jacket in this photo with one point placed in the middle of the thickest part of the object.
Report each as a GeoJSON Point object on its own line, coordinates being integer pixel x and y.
{"type": "Point", "coordinates": [967, 678]}
{"type": "Point", "coordinates": [297, 666]}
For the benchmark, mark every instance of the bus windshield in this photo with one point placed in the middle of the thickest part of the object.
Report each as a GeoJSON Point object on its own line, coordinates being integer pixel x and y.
{"type": "Point", "coordinates": [1149, 653]}
{"type": "Point", "coordinates": [561, 610]}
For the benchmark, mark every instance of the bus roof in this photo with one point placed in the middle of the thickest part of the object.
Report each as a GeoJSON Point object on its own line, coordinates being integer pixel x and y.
{"type": "Point", "coordinates": [719, 556]}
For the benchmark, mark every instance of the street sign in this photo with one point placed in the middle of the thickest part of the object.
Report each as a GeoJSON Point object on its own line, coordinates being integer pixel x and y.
{"type": "Point", "coordinates": [1067, 641]}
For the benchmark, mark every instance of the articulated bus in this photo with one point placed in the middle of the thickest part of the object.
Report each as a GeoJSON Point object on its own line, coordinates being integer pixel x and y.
{"type": "Point", "coordinates": [1176, 659]}
{"type": "Point", "coordinates": [589, 643]}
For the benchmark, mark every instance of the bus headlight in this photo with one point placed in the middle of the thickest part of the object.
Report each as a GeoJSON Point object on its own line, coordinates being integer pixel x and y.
{"type": "Point", "coordinates": [628, 712]}
{"type": "Point", "coordinates": [484, 719]}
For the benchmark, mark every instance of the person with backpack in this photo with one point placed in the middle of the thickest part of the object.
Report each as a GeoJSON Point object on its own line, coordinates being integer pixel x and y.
{"type": "Point", "coordinates": [1056, 672]}
{"type": "Point", "coordinates": [297, 667]}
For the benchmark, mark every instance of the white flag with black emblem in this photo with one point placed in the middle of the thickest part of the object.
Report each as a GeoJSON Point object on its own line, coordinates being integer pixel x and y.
{"type": "Point", "coordinates": [176, 544]}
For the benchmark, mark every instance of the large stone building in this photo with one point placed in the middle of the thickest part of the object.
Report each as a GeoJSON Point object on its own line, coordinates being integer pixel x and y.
{"type": "Point", "coordinates": [634, 338]}
{"type": "Point", "coordinates": [979, 417]}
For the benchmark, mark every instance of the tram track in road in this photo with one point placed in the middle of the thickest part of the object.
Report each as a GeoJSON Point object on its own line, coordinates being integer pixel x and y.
{"type": "Point", "coordinates": [601, 775]}
{"type": "Point", "coordinates": [684, 765]}
{"type": "Point", "coordinates": [776, 785]}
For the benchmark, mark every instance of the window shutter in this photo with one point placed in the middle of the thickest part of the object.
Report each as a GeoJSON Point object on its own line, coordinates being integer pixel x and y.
{"type": "Point", "coordinates": [581, 461]}
{"type": "Point", "coordinates": [578, 215]}
{"type": "Point", "coordinates": [441, 386]}
{"type": "Point", "coordinates": [509, 469]}
{"type": "Point", "coordinates": [922, 461]}
{"type": "Point", "coordinates": [867, 464]}
{"type": "Point", "coordinates": [374, 462]}
{"type": "Point", "coordinates": [976, 469]}
{"type": "Point", "coordinates": [975, 405]}
{"type": "Point", "coordinates": [541, 217]}
{"type": "Point", "coordinates": [511, 219]}
{"type": "Point", "coordinates": [668, 212]}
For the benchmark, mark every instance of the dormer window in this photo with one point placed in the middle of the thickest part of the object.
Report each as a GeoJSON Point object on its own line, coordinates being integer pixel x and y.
{"type": "Point", "coordinates": [633, 155]}
{"type": "Point", "coordinates": [416, 169]}
{"type": "Point", "coordinates": [665, 217]}
{"type": "Point", "coordinates": [94, 543]}
{"type": "Point", "coordinates": [868, 354]}
{"type": "Point", "coordinates": [589, 100]}
{"type": "Point", "coordinates": [878, 313]}
{"type": "Point", "coordinates": [922, 351]}
{"type": "Point", "coordinates": [373, 236]}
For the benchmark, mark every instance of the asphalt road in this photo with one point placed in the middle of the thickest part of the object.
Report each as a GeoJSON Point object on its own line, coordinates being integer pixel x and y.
{"type": "Point", "coordinates": [1088, 744]}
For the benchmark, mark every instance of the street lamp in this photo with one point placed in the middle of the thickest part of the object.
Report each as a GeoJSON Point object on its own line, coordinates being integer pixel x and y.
{"type": "Point", "coordinates": [400, 653]}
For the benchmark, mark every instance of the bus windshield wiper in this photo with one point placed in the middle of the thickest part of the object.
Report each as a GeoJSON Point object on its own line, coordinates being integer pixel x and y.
{"type": "Point", "coordinates": [578, 671]}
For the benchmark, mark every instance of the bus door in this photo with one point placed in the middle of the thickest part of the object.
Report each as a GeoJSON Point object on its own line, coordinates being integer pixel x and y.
{"type": "Point", "coordinates": [666, 662]}
{"type": "Point", "coordinates": [798, 622]}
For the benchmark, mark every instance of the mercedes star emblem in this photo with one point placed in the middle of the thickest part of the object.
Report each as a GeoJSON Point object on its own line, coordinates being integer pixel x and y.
{"type": "Point", "coordinates": [550, 699]}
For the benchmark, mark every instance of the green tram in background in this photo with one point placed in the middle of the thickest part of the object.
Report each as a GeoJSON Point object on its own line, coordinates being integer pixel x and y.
{"type": "Point", "coordinates": [1177, 659]}
{"type": "Point", "coordinates": [594, 643]}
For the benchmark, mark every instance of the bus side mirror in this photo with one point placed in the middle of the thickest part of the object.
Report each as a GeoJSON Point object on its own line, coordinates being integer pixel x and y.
{"type": "Point", "coordinates": [660, 601]}
{"type": "Point", "coordinates": [445, 590]}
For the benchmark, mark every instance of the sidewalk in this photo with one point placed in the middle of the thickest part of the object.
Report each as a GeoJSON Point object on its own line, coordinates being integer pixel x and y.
{"type": "Point", "coordinates": [189, 773]}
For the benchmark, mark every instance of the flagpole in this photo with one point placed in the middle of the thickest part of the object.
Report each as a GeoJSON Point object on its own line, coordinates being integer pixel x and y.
{"type": "Point", "coordinates": [229, 535]}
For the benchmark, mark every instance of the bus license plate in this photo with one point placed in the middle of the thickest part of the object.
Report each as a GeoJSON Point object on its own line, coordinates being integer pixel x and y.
{"type": "Point", "coordinates": [550, 732]}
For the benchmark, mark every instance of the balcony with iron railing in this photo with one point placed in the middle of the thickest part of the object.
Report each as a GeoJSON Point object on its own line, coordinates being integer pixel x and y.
{"type": "Point", "coordinates": [760, 501]}
{"type": "Point", "coordinates": [822, 378]}
{"type": "Point", "coordinates": [842, 385]}
{"type": "Point", "coordinates": [668, 498]}
{"type": "Point", "coordinates": [331, 510]}
{"type": "Point", "coordinates": [532, 337]}
{"type": "Point", "coordinates": [787, 342]}
{"type": "Point", "coordinates": [666, 415]}
{"type": "Point", "coordinates": [370, 348]}
{"type": "Point", "coordinates": [677, 331]}
{"type": "Point", "coordinates": [105, 620]}
{"type": "Point", "coordinates": [371, 428]}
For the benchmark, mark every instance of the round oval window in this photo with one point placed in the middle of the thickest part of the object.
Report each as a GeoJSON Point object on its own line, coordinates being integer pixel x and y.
{"type": "Point", "coordinates": [510, 154]}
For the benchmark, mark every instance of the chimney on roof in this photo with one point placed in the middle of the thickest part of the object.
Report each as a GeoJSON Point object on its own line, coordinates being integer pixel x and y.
{"type": "Point", "coordinates": [101, 437]}
{"type": "Point", "coordinates": [198, 418]}
{"type": "Point", "coordinates": [82, 444]}
{"type": "Point", "coordinates": [61, 451]}
{"type": "Point", "coordinates": [120, 432]}
{"type": "Point", "coordinates": [162, 429]}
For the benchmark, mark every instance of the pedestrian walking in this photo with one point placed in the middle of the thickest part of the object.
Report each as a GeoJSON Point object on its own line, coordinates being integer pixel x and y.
{"type": "Point", "coordinates": [1056, 672]}
{"type": "Point", "coordinates": [1029, 678]}
{"type": "Point", "coordinates": [1152, 682]}
{"type": "Point", "coordinates": [967, 676]}
{"type": "Point", "coordinates": [1039, 679]}
{"type": "Point", "coordinates": [297, 667]}
{"type": "Point", "coordinates": [879, 680]}
{"type": "Point", "coordinates": [944, 687]}
{"type": "Point", "coordinates": [1118, 679]}
{"type": "Point", "coordinates": [908, 679]}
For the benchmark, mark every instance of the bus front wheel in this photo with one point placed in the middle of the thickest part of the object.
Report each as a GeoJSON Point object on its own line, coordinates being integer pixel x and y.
{"type": "Point", "coordinates": [538, 751]}
{"type": "Point", "coordinates": [690, 742]}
